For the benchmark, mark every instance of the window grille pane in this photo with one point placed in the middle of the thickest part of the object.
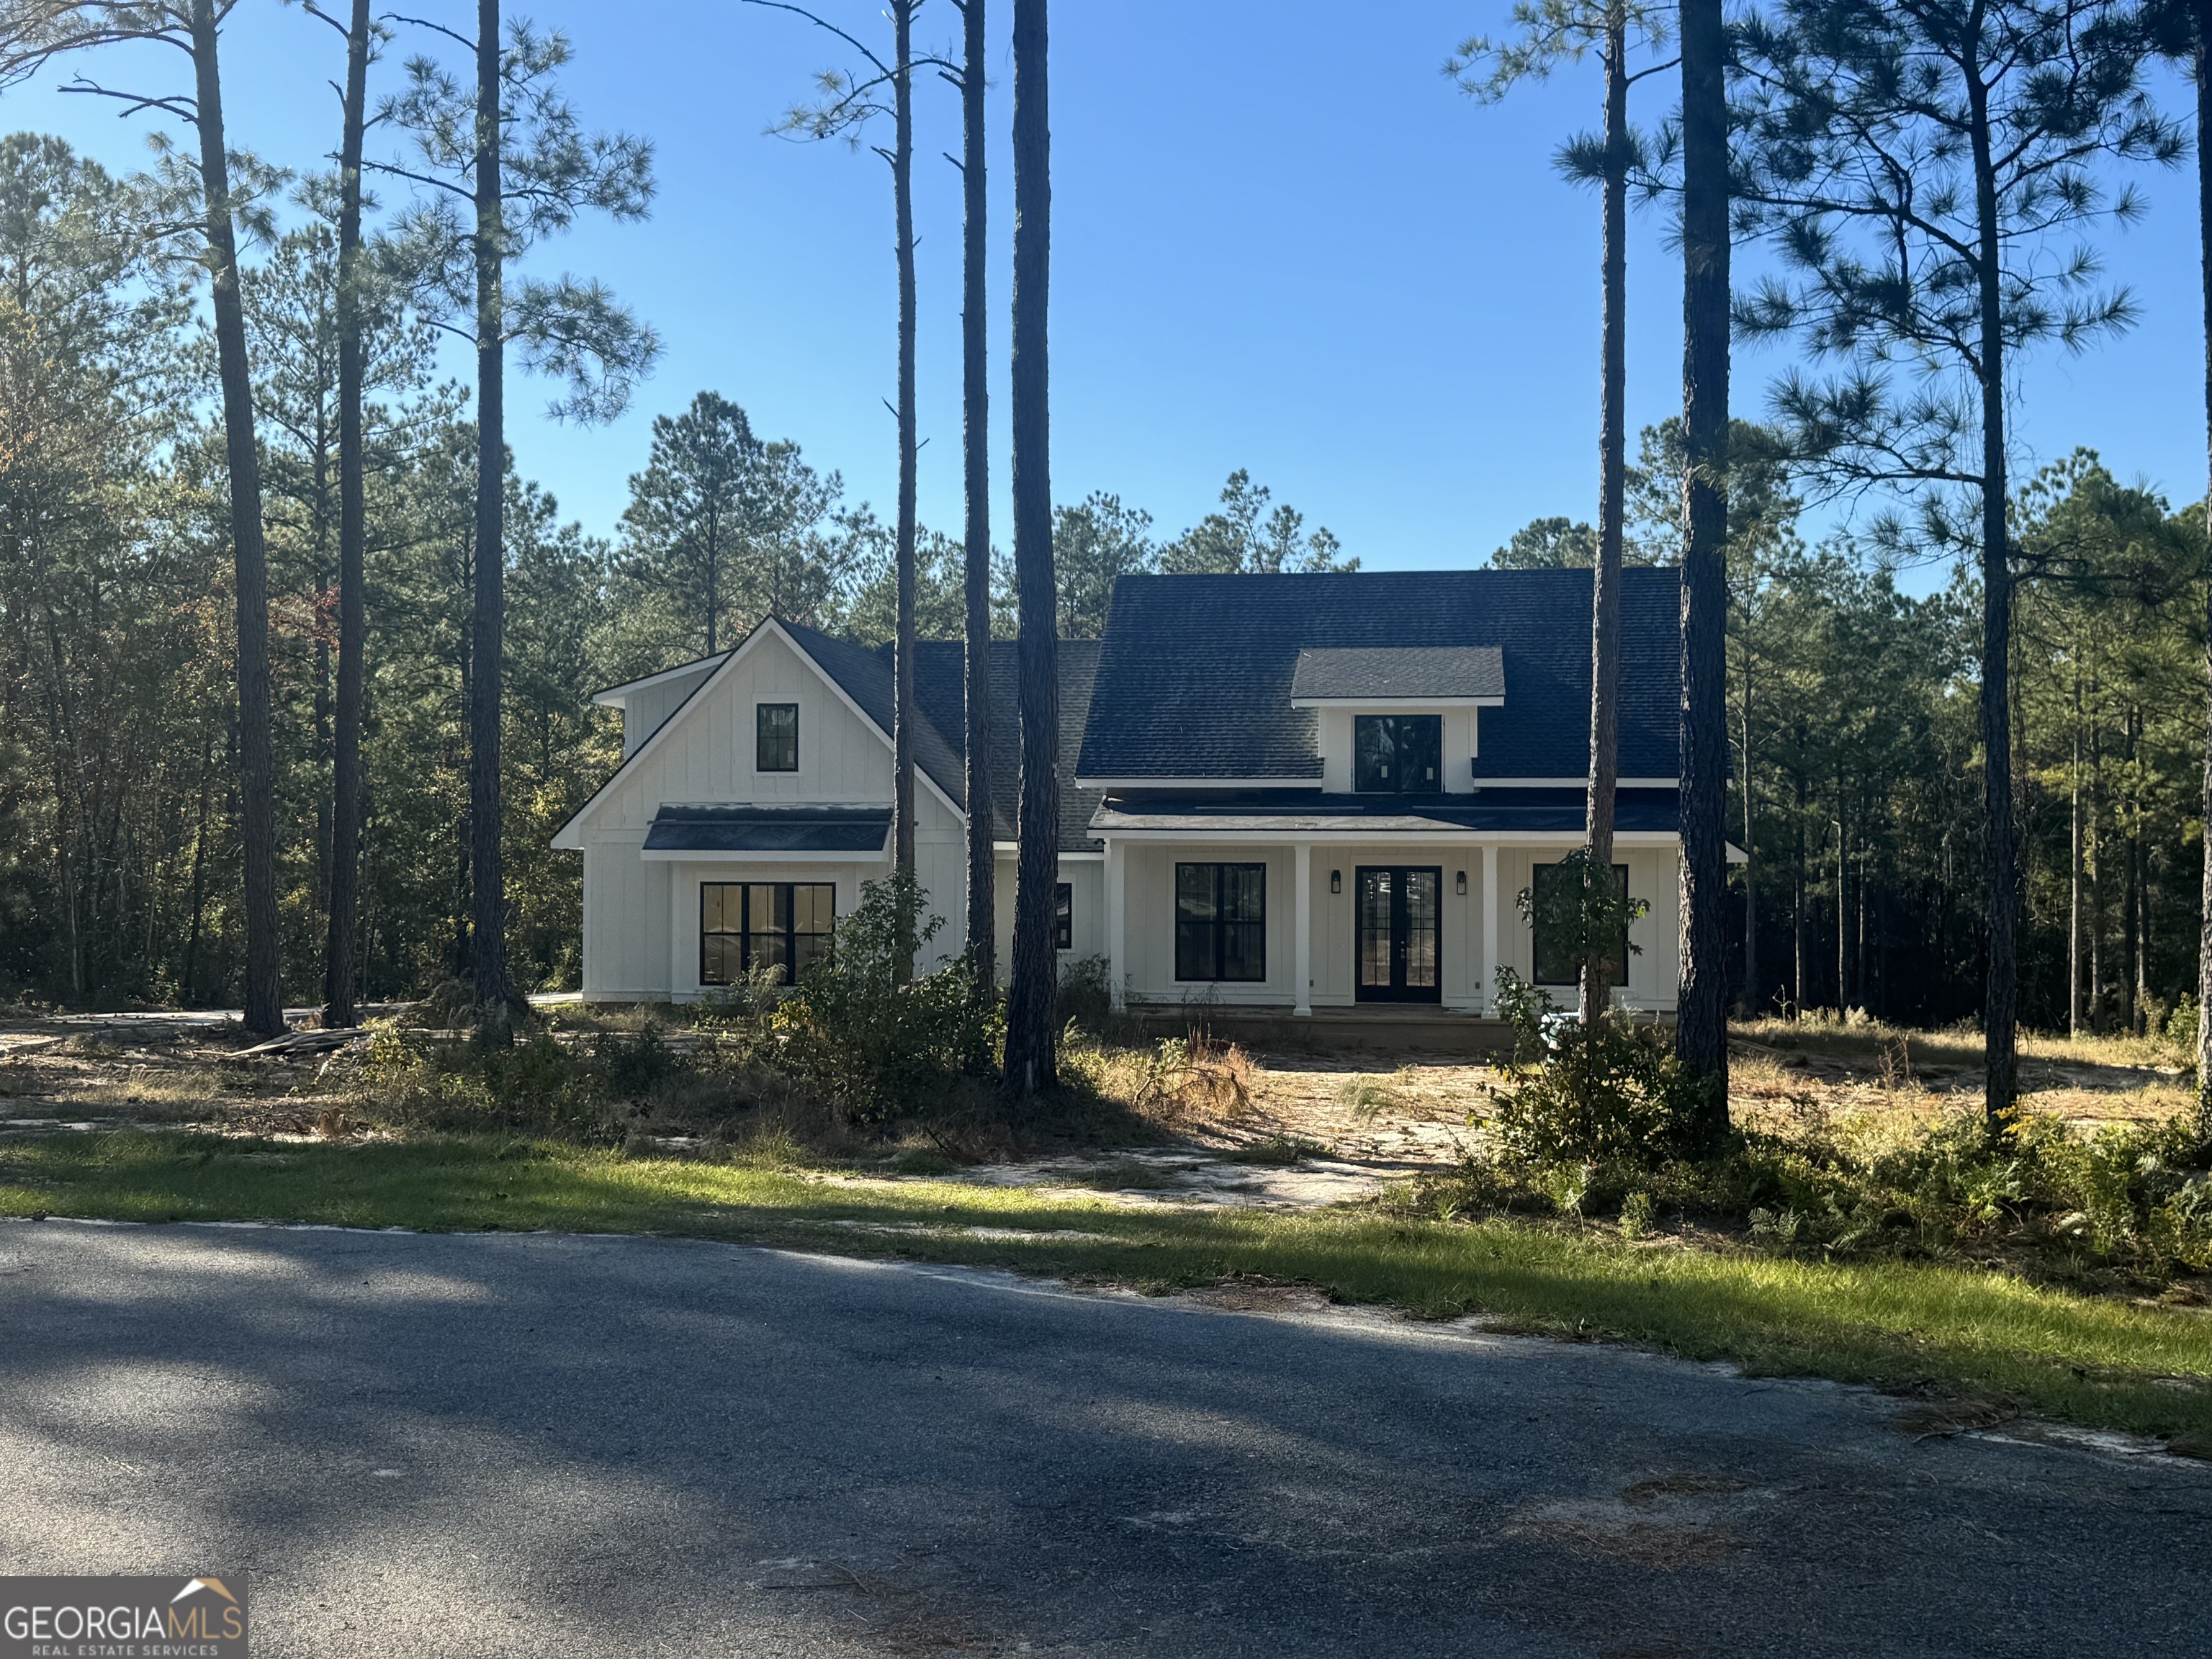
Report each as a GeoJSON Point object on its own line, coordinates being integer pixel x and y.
{"type": "Point", "coordinates": [814, 907]}
{"type": "Point", "coordinates": [1193, 950]}
{"type": "Point", "coordinates": [1421, 928]}
{"type": "Point", "coordinates": [1195, 899]}
{"type": "Point", "coordinates": [1243, 951]}
{"type": "Point", "coordinates": [1063, 908]}
{"type": "Point", "coordinates": [1374, 747]}
{"type": "Point", "coordinates": [1420, 752]}
{"type": "Point", "coordinates": [1375, 927]}
{"type": "Point", "coordinates": [1243, 892]}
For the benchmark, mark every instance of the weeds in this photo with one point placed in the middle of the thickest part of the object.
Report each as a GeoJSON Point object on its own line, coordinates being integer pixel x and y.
{"type": "Point", "coordinates": [1276, 1149]}
{"type": "Point", "coordinates": [1195, 1076]}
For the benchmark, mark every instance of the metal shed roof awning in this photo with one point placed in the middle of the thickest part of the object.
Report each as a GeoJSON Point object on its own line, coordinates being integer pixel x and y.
{"type": "Point", "coordinates": [846, 831]}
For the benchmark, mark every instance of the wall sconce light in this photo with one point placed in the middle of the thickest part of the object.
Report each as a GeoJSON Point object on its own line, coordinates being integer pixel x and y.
{"type": "Point", "coordinates": [1459, 883]}
{"type": "Point", "coordinates": [1336, 881]}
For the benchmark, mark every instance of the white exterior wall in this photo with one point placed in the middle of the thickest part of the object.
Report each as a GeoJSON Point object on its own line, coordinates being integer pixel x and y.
{"type": "Point", "coordinates": [1088, 924]}
{"type": "Point", "coordinates": [641, 914]}
{"type": "Point", "coordinates": [1147, 969]}
{"type": "Point", "coordinates": [645, 709]}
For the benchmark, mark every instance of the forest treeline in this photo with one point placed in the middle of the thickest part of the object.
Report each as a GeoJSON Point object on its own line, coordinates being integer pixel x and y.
{"type": "Point", "coordinates": [1850, 702]}
{"type": "Point", "coordinates": [120, 806]}
{"type": "Point", "coordinates": [253, 542]}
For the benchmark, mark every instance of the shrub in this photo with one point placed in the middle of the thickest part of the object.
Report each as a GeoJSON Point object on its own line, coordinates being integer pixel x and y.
{"type": "Point", "coordinates": [877, 1043]}
{"type": "Point", "coordinates": [1608, 1093]}
{"type": "Point", "coordinates": [1085, 998]}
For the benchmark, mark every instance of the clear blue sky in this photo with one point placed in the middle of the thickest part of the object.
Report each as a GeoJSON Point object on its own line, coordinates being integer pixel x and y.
{"type": "Point", "coordinates": [1282, 241]}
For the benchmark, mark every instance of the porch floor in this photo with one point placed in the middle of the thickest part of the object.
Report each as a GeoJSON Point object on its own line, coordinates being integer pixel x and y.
{"type": "Point", "coordinates": [1379, 1026]}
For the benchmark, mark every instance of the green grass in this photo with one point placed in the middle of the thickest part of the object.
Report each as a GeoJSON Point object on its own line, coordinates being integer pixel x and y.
{"type": "Point", "coordinates": [2098, 1362]}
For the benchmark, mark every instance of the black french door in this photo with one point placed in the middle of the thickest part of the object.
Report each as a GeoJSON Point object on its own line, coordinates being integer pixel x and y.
{"type": "Point", "coordinates": [1398, 959]}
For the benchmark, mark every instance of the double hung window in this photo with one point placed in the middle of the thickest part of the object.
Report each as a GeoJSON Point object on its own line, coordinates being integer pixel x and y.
{"type": "Point", "coordinates": [1221, 921]}
{"type": "Point", "coordinates": [781, 925]}
{"type": "Point", "coordinates": [1398, 753]}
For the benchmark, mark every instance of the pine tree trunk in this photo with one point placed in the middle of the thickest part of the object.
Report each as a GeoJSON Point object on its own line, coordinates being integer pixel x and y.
{"type": "Point", "coordinates": [2204, 238]}
{"type": "Point", "coordinates": [2094, 875]}
{"type": "Point", "coordinates": [2073, 884]}
{"type": "Point", "coordinates": [1701, 1009]}
{"type": "Point", "coordinates": [902, 714]}
{"type": "Point", "coordinates": [487, 901]}
{"type": "Point", "coordinates": [2000, 869]}
{"type": "Point", "coordinates": [264, 1006]}
{"type": "Point", "coordinates": [353, 600]}
{"type": "Point", "coordinates": [1754, 1001]}
{"type": "Point", "coordinates": [1800, 875]}
{"type": "Point", "coordinates": [1032, 983]}
{"type": "Point", "coordinates": [975, 390]}
{"type": "Point", "coordinates": [1613, 452]}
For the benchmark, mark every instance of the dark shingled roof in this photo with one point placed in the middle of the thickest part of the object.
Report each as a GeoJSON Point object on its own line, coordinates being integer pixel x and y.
{"type": "Point", "coordinates": [769, 830]}
{"type": "Point", "coordinates": [1195, 678]}
{"type": "Point", "coordinates": [941, 736]}
{"type": "Point", "coordinates": [1432, 670]}
{"type": "Point", "coordinates": [1528, 812]}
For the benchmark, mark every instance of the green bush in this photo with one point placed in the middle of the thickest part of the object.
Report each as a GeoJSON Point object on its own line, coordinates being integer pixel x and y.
{"type": "Point", "coordinates": [1602, 1120]}
{"type": "Point", "coordinates": [537, 1086]}
{"type": "Point", "coordinates": [878, 1042]}
{"type": "Point", "coordinates": [1606, 1093]}
{"type": "Point", "coordinates": [1085, 996]}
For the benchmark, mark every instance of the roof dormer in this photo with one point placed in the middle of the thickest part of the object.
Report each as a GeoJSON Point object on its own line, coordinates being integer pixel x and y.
{"type": "Point", "coordinates": [1398, 720]}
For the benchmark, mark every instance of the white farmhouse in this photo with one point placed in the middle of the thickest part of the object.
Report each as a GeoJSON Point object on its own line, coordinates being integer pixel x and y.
{"type": "Point", "coordinates": [1280, 794]}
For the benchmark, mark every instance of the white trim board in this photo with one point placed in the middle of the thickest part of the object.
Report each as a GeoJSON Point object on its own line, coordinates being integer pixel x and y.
{"type": "Point", "coordinates": [689, 855]}
{"type": "Point", "coordinates": [617, 697]}
{"type": "Point", "coordinates": [1390, 837]}
{"type": "Point", "coordinates": [1313, 782]}
{"type": "Point", "coordinates": [1480, 783]}
{"type": "Point", "coordinates": [1397, 705]}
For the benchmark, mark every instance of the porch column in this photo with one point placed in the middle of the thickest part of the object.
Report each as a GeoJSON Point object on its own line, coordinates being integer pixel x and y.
{"type": "Point", "coordinates": [1302, 882]}
{"type": "Point", "coordinates": [1116, 951]}
{"type": "Point", "coordinates": [1489, 961]}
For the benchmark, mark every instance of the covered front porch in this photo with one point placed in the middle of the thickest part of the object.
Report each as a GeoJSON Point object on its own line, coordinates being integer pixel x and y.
{"type": "Point", "coordinates": [1388, 926]}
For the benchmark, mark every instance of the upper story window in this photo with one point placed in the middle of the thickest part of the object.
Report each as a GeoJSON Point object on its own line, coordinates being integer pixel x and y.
{"type": "Point", "coordinates": [775, 737]}
{"type": "Point", "coordinates": [1398, 753]}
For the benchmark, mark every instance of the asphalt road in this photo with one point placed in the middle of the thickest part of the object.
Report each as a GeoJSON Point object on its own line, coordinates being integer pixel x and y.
{"type": "Point", "coordinates": [493, 1445]}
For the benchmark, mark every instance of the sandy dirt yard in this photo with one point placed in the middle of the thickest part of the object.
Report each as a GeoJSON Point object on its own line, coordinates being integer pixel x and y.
{"type": "Point", "coordinates": [1306, 1129]}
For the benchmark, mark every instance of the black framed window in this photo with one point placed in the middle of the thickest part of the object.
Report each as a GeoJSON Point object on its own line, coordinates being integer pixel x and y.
{"type": "Point", "coordinates": [775, 737]}
{"type": "Point", "coordinates": [1221, 921]}
{"type": "Point", "coordinates": [1557, 962]}
{"type": "Point", "coordinates": [747, 925]}
{"type": "Point", "coordinates": [1063, 916]}
{"type": "Point", "coordinates": [1398, 753]}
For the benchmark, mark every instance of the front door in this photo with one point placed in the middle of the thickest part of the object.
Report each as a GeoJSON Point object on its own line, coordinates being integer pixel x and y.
{"type": "Point", "coordinates": [1398, 959]}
